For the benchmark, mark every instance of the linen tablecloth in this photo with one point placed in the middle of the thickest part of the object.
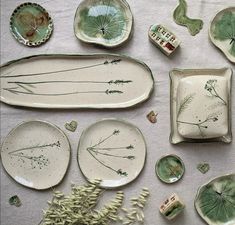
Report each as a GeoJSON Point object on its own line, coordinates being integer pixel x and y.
{"type": "Point", "coordinates": [195, 52]}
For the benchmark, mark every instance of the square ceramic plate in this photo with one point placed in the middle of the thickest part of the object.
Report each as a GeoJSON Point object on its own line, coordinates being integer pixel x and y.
{"type": "Point", "coordinates": [200, 105]}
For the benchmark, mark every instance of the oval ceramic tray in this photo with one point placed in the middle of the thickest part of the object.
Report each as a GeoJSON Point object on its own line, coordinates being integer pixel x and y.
{"type": "Point", "coordinates": [76, 81]}
{"type": "Point", "coordinates": [215, 201]}
{"type": "Point", "coordinates": [103, 22]}
{"type": "Point", "coordinates": [31, 24]}
{"type": "Point", "coordinates": [36, 154]}
{"type": "Point", "coordinates": [222, 32]}
{"type": "Point", "coordinates": [111, 150]}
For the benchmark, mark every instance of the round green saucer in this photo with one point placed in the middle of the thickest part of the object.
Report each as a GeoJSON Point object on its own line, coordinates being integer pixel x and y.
{"type": "Point", "coordinates": [31, 24]}
{"type": "Point", "coordinates": [170, 169]}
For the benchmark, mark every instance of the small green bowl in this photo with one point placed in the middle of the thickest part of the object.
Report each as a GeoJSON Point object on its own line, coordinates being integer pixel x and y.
{"type": "Point", "coordinates": [170, 169]}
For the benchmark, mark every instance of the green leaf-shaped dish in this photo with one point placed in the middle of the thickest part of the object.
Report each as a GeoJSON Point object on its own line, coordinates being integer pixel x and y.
{"type": "Point", "coordinates": [103, 22]}
{"type": "Point", "coordinates": [215, 201]}
{"type": "Point", "coordinates": [222, 32]}
{"type": "Point", "coordinates": [31, 24]}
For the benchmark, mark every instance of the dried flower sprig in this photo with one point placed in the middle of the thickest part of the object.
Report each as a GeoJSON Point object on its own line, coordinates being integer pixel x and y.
{"type": "Point", "coordinates": [210, 86]}
{"type": "Point", "coordinates": [79, 207]}
{"type": "Point", "coordinates": [135, 214]}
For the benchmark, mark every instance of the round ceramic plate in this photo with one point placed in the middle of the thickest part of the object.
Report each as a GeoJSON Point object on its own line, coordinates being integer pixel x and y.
{"type": "Point", "coordinates": [170, 168]}
{"type": "Point", "coordinates": [36, 154]}
{"type": "Point", "coordinates": [104, 22]}
{"type": "Point", "coordinates": [222, 32]}
{"type": "Point", "coordinates": [31, 24]}
{"type": "Point", "coordinates": [215, 201]}
{"type": "Point", "coordinates": [111, 150]}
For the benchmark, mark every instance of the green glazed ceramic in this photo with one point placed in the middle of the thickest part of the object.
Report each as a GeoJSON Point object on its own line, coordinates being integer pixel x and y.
{"type": "Point", "coordinates": [31, 24]}
{"type": "Point", "coordinates": [170, 169]}
{"type": "Point", "coordinates": [222, 32]}
{"type": "Point", "coordinates": [194, 25]}
{"type": "Point", "coordinates": [215, 201]}
{"type": "Point", "coordinates": [103, 22]}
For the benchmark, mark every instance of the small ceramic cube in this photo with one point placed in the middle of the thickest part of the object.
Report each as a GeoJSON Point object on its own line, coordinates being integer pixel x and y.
{"type": "Point", "coordinates": [172, 207]}
{"type": "Point", "coordinates": [165, 40]}
{"type": "Point", "coordinates": [201, 105]}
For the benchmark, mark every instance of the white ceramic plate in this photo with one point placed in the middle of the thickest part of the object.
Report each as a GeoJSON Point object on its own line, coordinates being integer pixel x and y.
{"type": "Point", "coordinates": [200, 105]}
{"type": "Point", "coordinates": [76, 81]}
{"type": "Point", "coordinates": [36, 154]}
{"type": "Point", "coordinates": [111, 150]}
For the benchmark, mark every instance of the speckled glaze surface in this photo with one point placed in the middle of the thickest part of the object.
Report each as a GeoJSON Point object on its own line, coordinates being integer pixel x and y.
{"type": "Point", "coordinates": [215, 201]}
{"type": "Point", "coordinates": [103, 22]}
{"type": "Point", "coordinates": [36, 154]}
{"type": "Point", "coordinates": [170, 169]}
{"type": "Point", "coordinates": [31, 24]}
{"type": "Point", "coordinates": [222, 32]}
{"type": "Point", "coordinates": [201, 105]}
{"type": "Point", "coordinates": [76, 81]}
{"type": "Point", "coordinates": [111, 150]}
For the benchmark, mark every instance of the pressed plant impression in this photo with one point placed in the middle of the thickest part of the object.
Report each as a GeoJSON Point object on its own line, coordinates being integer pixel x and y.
{"type": "Point", "coordinates": [215, 201]}
{"type": "Point", "coordinates": [222, 32]}
{"type": "Point", "coordinates": [76, 81]}
{"type": "Point", "coordinates": [112, 150]}
{"type": "Point", "coordinates": [103, 22]}
{"type": "Point", "coordinates": [200, 105]}
{"type": "Point", "coordinates": [36, 154]}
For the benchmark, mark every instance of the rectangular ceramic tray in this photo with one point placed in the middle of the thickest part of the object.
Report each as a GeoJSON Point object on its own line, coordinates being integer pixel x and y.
{"type": "Point", "coordinates": [76, 81]}
{"type": "Point", "coordinates": [200, 105]}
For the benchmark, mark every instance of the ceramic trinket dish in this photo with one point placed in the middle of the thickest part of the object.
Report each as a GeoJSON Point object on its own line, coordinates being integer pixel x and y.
{"type": "Point", "coordinates": [215, 201]}
{"type": "Point", "coordinates": [76, 81]}
{"type": "Point", "coordinates": [170, 169]}
{"type": "Point", "coordinates": [113, 151]}
{"type": "Point", "coordinates": [165, 40]}
{"type": "Point", "coordinates": [36, 154]}
{"type": "Point", "coordinates": [222, 32]}
{"type": "Point", "coordinates": [31, 24]}
{"type": "Point", "coordinates": [200, 105]}
{"type": "Point", "coordinates": [194, 25]}
{"type": "Point", "coordinates": [108, 23]}
{"type": "Point", "coordinates": [172, 207]}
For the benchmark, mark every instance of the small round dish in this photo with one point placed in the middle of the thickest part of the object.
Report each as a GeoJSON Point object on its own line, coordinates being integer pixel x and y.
{"type": "Point", "coordinates": [170, 169]}
{"type": "Point", "coordinates": [222, 32]}
{"type": "Point", "coordinates": [108, 23]}
{"type": "Point", "coordinates": [31, 24]}
{"type": "Point", "coordinates": [36, 154]}
{"type": "Point", "coordinates": [215, 201]}
{"type": "Point", "coordinates": [111, 150]}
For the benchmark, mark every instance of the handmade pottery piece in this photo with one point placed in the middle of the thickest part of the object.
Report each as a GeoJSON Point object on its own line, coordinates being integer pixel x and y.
{"type": "Point", "coordinates": [203, 167]}
{"type": "Point", "coordinates": [72, 126]}
{"type": "Point", "coordinates": [165, 40]}
{"type": "Point", "coordinates": [31, 24]}
{"type": "Point", "coordinates": [103, 22]}
{"type": "Point", "coordinates": [170, 169]}
{"type": "Point", "coordinates": [113, 151]}
{"type": "Point", "coordinates": [222, 32]}
{"type": "Point", "coordinates": [14, 200]}
{"type": "Point", "coordinates": [215, 201]}
{"type": "Point", "coordinates": [152, 117]}
{"type": "Point", "coordinates": [194, 25]}
{"type": "Point", "coordinates": [76, 81]}
{"type": "Point", "coordinates": [201, 105]}
{"type": "Point", "coordinates": [172, 207]}
{"type": "Point", "coordinates": [36, 154]}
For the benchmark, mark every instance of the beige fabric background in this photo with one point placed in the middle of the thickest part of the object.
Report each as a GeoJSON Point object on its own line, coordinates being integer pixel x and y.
{"type": "Point", "coordinates": [195, 52]}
